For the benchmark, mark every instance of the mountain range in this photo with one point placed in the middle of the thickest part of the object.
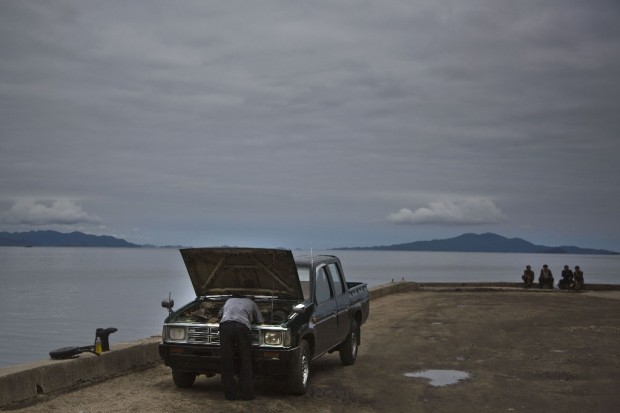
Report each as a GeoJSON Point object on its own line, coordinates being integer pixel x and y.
{"type": "Point", "coordinates": [59, 239]}
{"type": "Point", "coordinates": [487, 242]}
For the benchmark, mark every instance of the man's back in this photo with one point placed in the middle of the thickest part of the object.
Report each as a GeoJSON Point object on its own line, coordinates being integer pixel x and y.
{"type": "Point", "coordinates": [241, 310]}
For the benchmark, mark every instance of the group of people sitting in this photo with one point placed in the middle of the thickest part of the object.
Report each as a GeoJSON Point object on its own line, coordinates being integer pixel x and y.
{"type": "Point", "coordinates": [571, 280]}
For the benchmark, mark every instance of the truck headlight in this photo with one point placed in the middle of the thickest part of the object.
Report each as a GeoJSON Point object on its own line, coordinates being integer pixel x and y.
{"type": "Point", "coordinates": [176, 333]}
{"type": "Point", "coordinates": [273, 338]}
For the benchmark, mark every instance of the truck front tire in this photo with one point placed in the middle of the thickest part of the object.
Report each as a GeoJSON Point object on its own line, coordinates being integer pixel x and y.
{"type": "Point", "coordinates": [348, 348]}
{"type": "Point", "coordinates": [183, 379]}
{"type": "Point", "coordinates": [300, 371]}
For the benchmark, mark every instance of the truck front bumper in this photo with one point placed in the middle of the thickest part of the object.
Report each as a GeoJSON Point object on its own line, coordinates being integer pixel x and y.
{"type": "Point", "coordinates": [201, 359]}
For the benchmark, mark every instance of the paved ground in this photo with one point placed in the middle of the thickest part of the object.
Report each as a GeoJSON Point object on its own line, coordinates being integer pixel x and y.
{"type": "Point", "coordinates": [524, 352]}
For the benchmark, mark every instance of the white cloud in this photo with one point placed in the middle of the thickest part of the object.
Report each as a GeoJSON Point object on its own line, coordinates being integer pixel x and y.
{"type": "Point", "coordinates": [37, 212]}
{"type": "Point", "coordinates": [467, 211]}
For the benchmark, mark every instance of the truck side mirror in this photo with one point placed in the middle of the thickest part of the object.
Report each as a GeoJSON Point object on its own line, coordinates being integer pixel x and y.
{"type": "Point", "coordinates": [298, 308]}
{"type": "Point", "coordinates": [168, 303]}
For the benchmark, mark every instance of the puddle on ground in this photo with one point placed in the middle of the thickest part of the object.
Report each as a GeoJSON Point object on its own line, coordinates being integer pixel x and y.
{"type": "Point", "coordinates": [440, 377]}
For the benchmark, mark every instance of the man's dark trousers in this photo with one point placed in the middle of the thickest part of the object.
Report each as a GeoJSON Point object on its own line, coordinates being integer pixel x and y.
{"type": "Point", "coordinates": [231, 333]}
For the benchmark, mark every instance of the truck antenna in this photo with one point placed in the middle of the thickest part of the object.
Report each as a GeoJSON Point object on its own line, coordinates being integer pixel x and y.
{"type": "Point", "coordinates": [273, 288]}
{"type": "Point", "coordinates": [273, 291]}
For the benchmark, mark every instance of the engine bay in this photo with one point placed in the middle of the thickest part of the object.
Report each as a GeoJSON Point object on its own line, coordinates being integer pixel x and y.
{"type": "Point", "coordinates": [205, 311]}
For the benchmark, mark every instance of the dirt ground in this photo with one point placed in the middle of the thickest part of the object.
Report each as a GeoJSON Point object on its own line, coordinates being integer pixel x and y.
{"type": "Point", "coordinates": [524, 352]}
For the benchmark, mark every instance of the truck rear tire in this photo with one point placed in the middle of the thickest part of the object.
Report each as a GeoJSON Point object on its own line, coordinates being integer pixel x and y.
{"type": "Point", "coordinates": [348, 348]}
{"type": "Point", "coordinates": [300, 371]}
{"type": "Point", "coordinates": [183, 379]}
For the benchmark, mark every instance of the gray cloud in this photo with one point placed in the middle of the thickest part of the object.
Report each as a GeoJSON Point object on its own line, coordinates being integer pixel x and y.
{"type": "Point", "coordinates": [223, 122]}
{"type": "Point", "coordinates": [47, 213]}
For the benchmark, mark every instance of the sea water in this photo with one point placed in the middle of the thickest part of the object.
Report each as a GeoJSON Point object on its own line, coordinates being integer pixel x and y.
{"type": "Point", "coordinates": [57, 297]}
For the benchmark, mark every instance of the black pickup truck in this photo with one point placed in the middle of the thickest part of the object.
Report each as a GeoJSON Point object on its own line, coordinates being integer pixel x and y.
{"type": "Point", "coordinates": [308, 307]}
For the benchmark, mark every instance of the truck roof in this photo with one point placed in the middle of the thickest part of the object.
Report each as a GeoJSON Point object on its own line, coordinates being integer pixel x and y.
{"type": "Point", "coordinates": [306, 260]}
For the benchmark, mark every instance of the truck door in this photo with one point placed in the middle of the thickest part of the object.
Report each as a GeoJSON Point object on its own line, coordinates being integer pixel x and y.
{"type": "Point", "coordinates": [325, 315]}
{"type": "Point", "coordinates": [343, 302]}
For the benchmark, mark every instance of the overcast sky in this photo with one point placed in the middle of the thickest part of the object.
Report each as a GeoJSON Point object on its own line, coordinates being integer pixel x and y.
{"type": "Point", "coordinates": [311, 124]}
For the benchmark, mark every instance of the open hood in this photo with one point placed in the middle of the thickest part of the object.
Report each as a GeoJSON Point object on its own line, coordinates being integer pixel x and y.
{"type": "Point", "coordinates": [243, 271]}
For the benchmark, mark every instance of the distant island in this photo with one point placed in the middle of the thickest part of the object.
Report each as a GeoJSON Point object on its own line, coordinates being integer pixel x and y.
{"type": "Point", "coordinates": [487, 242]}
{"type": "Point", "coordinates": [60, 239]}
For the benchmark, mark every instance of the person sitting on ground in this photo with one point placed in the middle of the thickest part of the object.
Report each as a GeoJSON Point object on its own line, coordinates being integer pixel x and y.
{"type": "Point", "coordinates": [528, 277]}
{"type": "Point", "coordinates": [545, 280]}
{"type": "Point", "coordinates": [566, 283]}
{"type": "Point", "coordinates": [578, 278]}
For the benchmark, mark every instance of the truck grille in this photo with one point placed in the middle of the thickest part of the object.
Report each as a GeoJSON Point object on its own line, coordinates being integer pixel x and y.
{"type": "Point", "coordinates": [211, 335]}
{"type": "Point", "coordinates": [205, 335]}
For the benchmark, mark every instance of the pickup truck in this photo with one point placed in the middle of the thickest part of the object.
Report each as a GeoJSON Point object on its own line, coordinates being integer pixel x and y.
{"type": "Point", "coordinates": [308, 307]}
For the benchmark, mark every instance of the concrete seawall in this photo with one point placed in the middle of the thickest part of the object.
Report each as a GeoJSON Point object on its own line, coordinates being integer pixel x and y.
{"type": "Point", "coordinates": [30, 383]}
{"type": "Point", "coordinates": [27, 383]}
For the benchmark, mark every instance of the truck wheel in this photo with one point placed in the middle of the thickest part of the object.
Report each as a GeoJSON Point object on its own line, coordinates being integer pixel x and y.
{"type": "Point", "coordinates": [348, 348]}
{"type": "Point", "coordinates": [300, 371]}
{"type": "Point", "coordinates": [183, 379]}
